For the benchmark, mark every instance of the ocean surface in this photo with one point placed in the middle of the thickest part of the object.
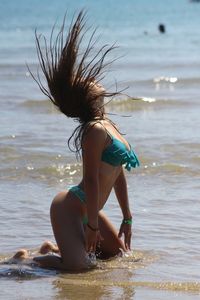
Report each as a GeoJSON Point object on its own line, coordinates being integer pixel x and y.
{"type": "Point", "coordinates": [161, 119]}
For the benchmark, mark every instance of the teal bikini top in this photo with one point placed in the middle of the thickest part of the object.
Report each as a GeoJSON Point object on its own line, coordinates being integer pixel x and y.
{"type": "Point", "coordinates": [117, 154]}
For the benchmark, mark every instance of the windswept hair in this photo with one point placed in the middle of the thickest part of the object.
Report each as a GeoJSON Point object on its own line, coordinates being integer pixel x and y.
{"type": "Point", "coordinates": [69, 73]}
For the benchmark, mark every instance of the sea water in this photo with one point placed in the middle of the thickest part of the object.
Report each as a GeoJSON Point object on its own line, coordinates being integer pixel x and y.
{"type": "Point", "coordinates": [161, 74]}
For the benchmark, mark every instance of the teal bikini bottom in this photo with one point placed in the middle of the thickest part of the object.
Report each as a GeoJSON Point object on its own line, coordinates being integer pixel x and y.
{"type": "Point", "coordinates": [80, 194]}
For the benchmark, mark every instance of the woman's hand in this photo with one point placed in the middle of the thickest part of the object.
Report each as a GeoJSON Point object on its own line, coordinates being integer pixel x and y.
{"type": "Point", "coordinates": [92, 237]}
{"type": "Point", "coordinates": [126, 230]}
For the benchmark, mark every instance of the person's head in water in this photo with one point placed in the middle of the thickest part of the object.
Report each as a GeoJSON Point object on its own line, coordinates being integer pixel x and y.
{"type": "Point", "coordinates": [161, 28]}
{"type": "Point", "coordinates": [73, 75]}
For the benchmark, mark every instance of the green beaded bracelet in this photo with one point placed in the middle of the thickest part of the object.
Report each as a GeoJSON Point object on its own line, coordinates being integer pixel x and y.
{"type": "Point", "coordinates": [127, 221]}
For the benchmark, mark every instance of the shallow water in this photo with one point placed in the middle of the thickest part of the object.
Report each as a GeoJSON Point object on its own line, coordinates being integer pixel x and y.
{"type": "Point", "coordinates": [161, 122]}
{"type": "Point", "coordinates": [114, 278]}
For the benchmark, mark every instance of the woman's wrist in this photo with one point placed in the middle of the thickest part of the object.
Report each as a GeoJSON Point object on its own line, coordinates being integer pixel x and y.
{"type": "Point", "coordinates": [127, 219]}
{"type": "Point", "coordinates": [93, 221]}
{"type": "Point", "coordinates": [127, 215]}
{"type": "Point", "coordinates": [93, 228]}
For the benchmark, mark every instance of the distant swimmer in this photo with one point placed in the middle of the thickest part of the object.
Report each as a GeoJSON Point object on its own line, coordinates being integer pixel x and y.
{"type": "Point", "coordinates": [161, 28]}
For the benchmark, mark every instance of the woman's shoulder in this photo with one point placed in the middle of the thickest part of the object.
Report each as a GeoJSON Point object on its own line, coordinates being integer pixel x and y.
{"type": "Point", "coordinates": [94, 132]}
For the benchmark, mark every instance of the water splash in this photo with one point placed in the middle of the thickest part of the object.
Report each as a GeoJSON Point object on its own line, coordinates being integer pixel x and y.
{"type": "Point", "coordinates": [25, 272]}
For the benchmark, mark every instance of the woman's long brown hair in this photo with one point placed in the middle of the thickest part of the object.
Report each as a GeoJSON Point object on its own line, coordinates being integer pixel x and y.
{"type": "Point", "coordinates": [69, 73]}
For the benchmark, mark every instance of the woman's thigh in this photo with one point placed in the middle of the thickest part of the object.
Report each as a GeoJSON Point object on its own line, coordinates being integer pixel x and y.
{"type": "Point", "coordinates": [66, 218]}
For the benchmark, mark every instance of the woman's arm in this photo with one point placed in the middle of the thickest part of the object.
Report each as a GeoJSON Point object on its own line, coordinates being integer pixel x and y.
{"type": "Point", "coordinates": [93, 145]}
{"type": "Point", "coordinates": [121, 192]}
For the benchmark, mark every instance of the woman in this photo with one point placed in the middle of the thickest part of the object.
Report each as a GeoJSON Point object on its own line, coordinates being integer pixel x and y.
{"type": "Point", "coordinates": [79, 225]}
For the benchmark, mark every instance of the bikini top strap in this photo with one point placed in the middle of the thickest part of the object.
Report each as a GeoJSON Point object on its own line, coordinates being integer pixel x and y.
{"type": "Point", "coordinates": [108, 133]}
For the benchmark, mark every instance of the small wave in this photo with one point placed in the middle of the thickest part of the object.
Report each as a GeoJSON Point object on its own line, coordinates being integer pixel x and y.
{"type": "Point", "coordinates": [162, 85]}
{"type": "Point", "coordinates": [54, 172]}
{"type": "Point", "coordinates": [165, 79]}
{"type": "Point", "coordinates": [124, 104]}
{"type": "Point", "coordinates": [39, 106]}
{"type": "Point", "coordinates": [145, 103]}
{"type": "Point", "coordinates": [169, 168]}
{"type": "Point", "coordinates": [20, 164]}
